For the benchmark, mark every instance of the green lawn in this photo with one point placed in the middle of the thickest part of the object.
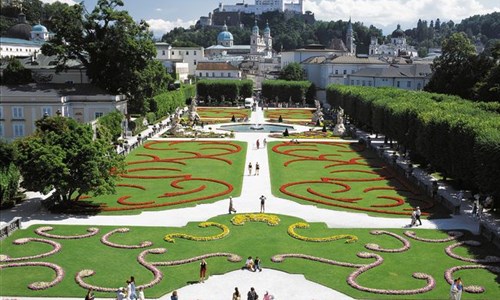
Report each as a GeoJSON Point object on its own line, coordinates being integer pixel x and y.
{"type": "Point", "coordinates": [342, 176]}
{"type": "Point", "coordinates": [289, 114]}
{"type": "Point", "coordinates": [173, 174]}
{"type": "Point", "coordinates": [223, 114]}
{"type": "Point", "coordinates": [113, 266]}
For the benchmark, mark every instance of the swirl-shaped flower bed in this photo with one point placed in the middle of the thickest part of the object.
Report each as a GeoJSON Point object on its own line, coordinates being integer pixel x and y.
{"type": "Point", "coordinates": [22, 241]}
{"type": "Point", "coordinates": [281, 257]}
{"type": "Point", "coordinates": [473, 289]}
{"type": "Point", "coordinates": [105, 240]}
{"type": "Point", "coordinates": [40, 285]}
{"type": "Point", "coordinates": [43, 232]}
{"type": "Point", "coordinates": [376, 247]}
{"type": "Point", "coordinates": [453, 236]}
{"type": "Point", "coordinates": [225, 231]}
{"type": "Point", "coordinates": [486, 260]}
{"type": "Point", "coordinates": [241, 219]}
{"type": "Point", "coordinates": [291, 231]}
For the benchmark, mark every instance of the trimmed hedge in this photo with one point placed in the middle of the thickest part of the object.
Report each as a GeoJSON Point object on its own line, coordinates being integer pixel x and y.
{"type": "Point", "coordinates": [165, 103]}
{"type": "Point", "coordinates": [458, 137]}
{"type": "Point", "coordinates": [230, 89]}
{"type": "Point", "coordinates": [111, 124]}
{"type": "Point", "coordinates": [284, 90]}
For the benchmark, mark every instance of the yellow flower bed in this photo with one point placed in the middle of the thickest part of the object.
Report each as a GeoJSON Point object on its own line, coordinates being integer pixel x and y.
{"type": "Point", "coordinates": [225, 231]}
{"type": "Point", "coordinates": [271, 220]}
{"type": "Point", "coordinates": [291, 231]}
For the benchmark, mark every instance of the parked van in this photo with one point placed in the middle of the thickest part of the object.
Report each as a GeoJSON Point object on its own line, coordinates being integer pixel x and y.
{"type": "Point", "coordinates": [249, 102]}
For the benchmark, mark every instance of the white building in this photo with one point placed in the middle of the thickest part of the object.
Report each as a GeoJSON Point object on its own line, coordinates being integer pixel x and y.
{"type": "Point", "coordinates": [217, 70]}
{"type": "Point", "coordinates": [261, 45]}
{"type": "Point", "coordinates": [397, 46]}
{"type": "Point", "coordinates": [262, 6]}
{"type": "Point", "coordinates": [225, 46]}
{"type": "Point", "coordinates": [177, 55]}
{"type": "Point", "coordinates": [22, 105]}
{"type": "Point", "coordinates": [22, 39]}
{"type": "Point", "coordinates": [406, 77]}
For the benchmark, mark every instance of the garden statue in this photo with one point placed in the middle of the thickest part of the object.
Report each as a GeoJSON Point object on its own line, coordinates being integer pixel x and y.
{"type": "Point", "coordinates": [318, 114]}
{"type": "Point", "coordinates": [193, 114]}
{"type": "Point", "coordinates": [339, 129]}
{"type": "Point", "coordinates": [175, 123]}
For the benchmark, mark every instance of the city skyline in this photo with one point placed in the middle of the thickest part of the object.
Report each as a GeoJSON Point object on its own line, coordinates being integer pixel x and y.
{"type": "Point", "coordinates": [163, 16]}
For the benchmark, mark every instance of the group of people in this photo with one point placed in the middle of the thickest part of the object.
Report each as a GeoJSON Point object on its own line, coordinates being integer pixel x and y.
{"type": "Point", "coordinates": [480, 203]}
{"type": "Point", "coordinates": [262, 200]}
{"type": "Point", "coordinates": [264, 143]}
{"type": "Point", "coordinates": [250, 167]}
{"type": "Point", "coordinates": [251, 295]}
{"type": "Point", "coordinates": [253, 264]}
{"type": "Point", "coordinates": [130, 292]}
{"type": "Point", "coordinates": [456, 289]}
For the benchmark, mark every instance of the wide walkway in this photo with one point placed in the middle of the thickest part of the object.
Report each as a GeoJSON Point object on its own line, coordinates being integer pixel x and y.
{"type": "Point", "coordinates": [281, 285]}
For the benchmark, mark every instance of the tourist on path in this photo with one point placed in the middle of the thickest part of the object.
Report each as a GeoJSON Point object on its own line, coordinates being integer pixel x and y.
{"type": "Point", "coordinates": [249, 264]}
{"type": "Point", "coordinates": [418, 213]}
{"type": "Point", "coordinates": [256, 262]}
{"type": "Point", "coordinates": [460, 288]}
{"type": "Point", "coordinates": [231, 208]}
{"type": "Point", "coordinates": [257, 169]}
{"type": "Point", "coordinates": [174, 296]}
{"type": "Point", "coordinates": [262, 203]}
{"type": "Point", "coordinates": [264, 142]}
{"type": "Point", "coordinates": [257, 144]}
{"type": "Point", "coordinates": [454, 290]}
{"type": "Point", "coordinates": [413, 218]}
{"type": "Point", "coordinates": [250, 168]}
{"type": "Point", "coordinates": [268, 296]}
{"type": "Point", "coordinates": [203, 270]}
{"type": "Point", "coordinates": [131, 288]}
{"type": "Point", "coordinates": [236, 294]}
{"type": "Point", "coordinates": [252, 295]}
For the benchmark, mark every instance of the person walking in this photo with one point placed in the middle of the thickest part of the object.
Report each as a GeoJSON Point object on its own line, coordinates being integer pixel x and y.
{"type": "Point", "coordinates": [203, 270]}
{"type": "Point", "coordinates": [257, 169]}
{"type": "Point", "coordinates": [418, 213]}
{"type": "Point", "coordinates": [264, 143]}
{"type": "Point", "coordinates": [454, 290]}
{"type": "Point", "coordinates": [262, 203]}
{"type": "Point", "coordinates": [231, 208]}
{"type": "Point", "coordinates": [257, 264]}
{"type": "Point", "coordinates": [460, 288]}
{"type": "Point", "coordinates": [257, 144]}
{"type": "Point", "coordinates": [236, 294]}
{"type": "Point", "coordinates": [250, 168]}
{"type": "Point", "coordinates": [252, 294]}
{"type": "Point", "coordinates": [174, 296]}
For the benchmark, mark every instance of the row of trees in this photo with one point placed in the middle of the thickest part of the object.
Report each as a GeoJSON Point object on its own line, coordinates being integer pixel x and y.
{"type": "Point", "coordinates": [229, 90]}
{"type": "Point", "coordinates": [9, 174]}
{"type": "Point", "coordinates": [456, 136]}
{"type": "Point", "coordinates": [165, 103]}
{"type": "Point", "coordinates": [285, 91]}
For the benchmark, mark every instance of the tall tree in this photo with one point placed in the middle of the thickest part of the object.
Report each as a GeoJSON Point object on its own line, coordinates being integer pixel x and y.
{"type": "Point", "coordinates": [9, 174]}
{"type": "Point", "coordinates": [458, 69]}
{"type": "Point", "coordinates": [15, 73]}
{"type": "Point", "coordinates": [63, 155]}
{"type": "Point", "coordinates": [117, 52]}
{"type": "Point", "coordinates": [292, 72]}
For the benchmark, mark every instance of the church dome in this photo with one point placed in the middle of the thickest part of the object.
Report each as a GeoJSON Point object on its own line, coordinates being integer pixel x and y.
{"type": "Point", "coordinates": [39, 28]}
{"type": "Point", "coordinates": [255, 28]}
{"type": "Point", "coordinates": [267, 30]}
{"type": "Point", "coordinates": [398, 33]}
{"type": "Point", "coordinates": [225, 35]}
{"type": "Point", "coordinates": [19, 31]}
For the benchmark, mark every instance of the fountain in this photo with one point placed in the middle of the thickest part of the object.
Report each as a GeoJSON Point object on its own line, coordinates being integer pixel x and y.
{"type": "Point", "coordinates": [258, 118]}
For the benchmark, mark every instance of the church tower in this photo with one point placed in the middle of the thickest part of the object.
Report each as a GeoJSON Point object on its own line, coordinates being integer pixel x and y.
{"type": "Point", "coordinates": [255, 39]}
{"type": "Point", "coordinates": [351, 48]}
{"type": "Point", "coordinates": [268, 41]}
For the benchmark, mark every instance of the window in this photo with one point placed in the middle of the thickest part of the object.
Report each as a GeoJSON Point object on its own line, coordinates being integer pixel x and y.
{"type": "Point", "coordinates": [213, 74]}
{"type": "Point", "coordinates": [345, 72]}
{"type": "Point", "coordinates": [369, 83]}
{"type": "Point", "coordinates": [201, 74]}
{"type": "Point", "coordinates": [397, 84]}
{"type": "Point", "coordinates": [173, 52]}
{"type": "Point", "coordinates": [363, 83]}
{"type": "Point", "coordinates": [352, 71]}
{"type": "Point", "coordinates": [228, 74]}
{"type": "Point", "coordinates": [352, 82]}
{"type": "Point", "coordinates": [46, 111]}
{"type": "Point", "coordinates": [17, 113]}
{"type": "Point", "coordinates": [18, 130]}
{"type": "Point", "coordinates": [221, 74]}
{"type": "Point", "coordinates": [98, 114]}
{"type": "Point", "coordinates": [419, 87]}
{"type": "Point", "coordinates": [336, 72]}
{"type": "Point", "coordinates": [357, 82]}
{"type": "Point", "coordinates": [187, 52]}
{"type": "Point", "coordinates": [195, 62]}
{"type": "Point", "coordinates": [408, 84]}
{"type": "Point", "coordinates": [194, 52]}
{"type": "Point", "coordinates": [162, 52]}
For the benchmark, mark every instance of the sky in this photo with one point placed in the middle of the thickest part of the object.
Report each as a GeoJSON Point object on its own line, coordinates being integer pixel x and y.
{"type": "Point", "coordinates": [164, 15]}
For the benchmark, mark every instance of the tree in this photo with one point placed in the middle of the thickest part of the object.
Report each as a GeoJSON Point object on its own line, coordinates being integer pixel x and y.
{"type": "Point", "coordinates": [458, 69]}
{"type": "Point", "coordinates": [9, 174]}
{"type": "Point", "coordinates": [62, 155]}
{"type": "Point", "coordinates": [15, 73]}
{"type": "Point", "coordinates": [117, 52]}
{"type": "Point", "coordinates": [292, 72]}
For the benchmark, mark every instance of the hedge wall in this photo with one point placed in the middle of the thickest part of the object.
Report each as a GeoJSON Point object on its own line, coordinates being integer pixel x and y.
{"type": "Point", "coordinates": [458, 137]}
{"type": "Point", "coordinates": [166, 103]}
{"type": "Point", "coordinates": [230, 89]}
{"type": "Point", "coordinates": [284, 90]}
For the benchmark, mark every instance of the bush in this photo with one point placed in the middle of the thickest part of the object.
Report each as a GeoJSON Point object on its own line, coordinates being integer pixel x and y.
{"type": "Point", "coordinates": [285, 90]}
{"type": "Point", "coordinates": [231, 90]}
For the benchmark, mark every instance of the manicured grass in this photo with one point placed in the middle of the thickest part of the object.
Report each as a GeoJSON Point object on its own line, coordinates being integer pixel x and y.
{"type": "Point", "coordinates": [342, 176]}
{"type": "Point", "coordinates": [173, 174]}
{"type": "Point", "coordinates": [222, 114]}
{"type": "Point", "coordinates": [113, 266]}
{"type": "Point", "coordinates": [289, 114]}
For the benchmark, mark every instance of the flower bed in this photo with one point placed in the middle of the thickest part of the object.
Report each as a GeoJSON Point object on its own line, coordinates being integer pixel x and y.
{"type": "Point", "coordinates": [453, 236]}
{"type": "Point", "coordinates": [225, 231]}
{"type": "Point", "coordinates": [40, 285]}
{"type": "Point", "coordinates": [22, 241]}
{"type": "Point", "coordinates": [105, 240]}
{"type": "Point", "coordinates": [291, 231]}
{"type": "Point", "coordinates": [43, 232]}
{"type": "Point", "coordinates": [473, 289]}
{"type": "Point", "coordinates": [486, 260]}
{"type": "Point", "coordinates": [376, 247]}
{"type": "Point", "coordinates": [241, 219]}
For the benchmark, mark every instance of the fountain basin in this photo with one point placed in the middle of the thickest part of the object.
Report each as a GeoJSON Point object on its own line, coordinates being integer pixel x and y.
{"type": "Point", "coordinates": [256, 127]}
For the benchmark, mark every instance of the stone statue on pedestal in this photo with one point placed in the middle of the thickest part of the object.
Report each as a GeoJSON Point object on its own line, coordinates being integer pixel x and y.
{"type": "Point", "coordinates": [318, 114]}
{"type": "Point", "coordinates": [339, 129]}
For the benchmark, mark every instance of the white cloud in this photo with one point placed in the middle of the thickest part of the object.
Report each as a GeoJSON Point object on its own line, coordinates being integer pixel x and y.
{"type": "Point", "coordinates": [160, 26]}
{"type": "Point", "coordinates": [391, 12]}
{"type": "Point", "coordinates": [70, 2]}
{"type": "Point", "coordinates": [158, 9]}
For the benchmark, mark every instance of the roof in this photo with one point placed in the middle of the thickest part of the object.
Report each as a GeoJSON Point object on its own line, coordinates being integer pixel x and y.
{"type": "Point", "coordinates": [412, 71]}
{"type": "Point", "coordinates": [234, 47]}
{"type": "Point", "coordinates": [50, 90]}
{"type": "Point", "coordinates": [39, 28]}
{"type": "Point", "coordinates": [348, 59]}
{"type": "Point", "coordinates": [216, 66]}
{"type": "Point", "coordinates": [17, 41]}
{"type": "Point", "coordinates": [314, 60]}
{"type": "Point", "coordinates": [19, 31]}
{"type": "Point", "coordinates": [48, 62]}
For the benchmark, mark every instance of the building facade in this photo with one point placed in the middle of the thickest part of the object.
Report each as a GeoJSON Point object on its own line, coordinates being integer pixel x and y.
{"type": "Point", "coordinates": [21, 106]}
{"type": "Point", "coordinates": [218, 70]}
{"type": "Point", "coordinates": [189, 55]}
{"type": "Point", "coordinates": [262, 6]}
